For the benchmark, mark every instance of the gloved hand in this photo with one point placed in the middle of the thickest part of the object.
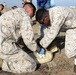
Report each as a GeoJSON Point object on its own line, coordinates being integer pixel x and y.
{"type": "Point", "coordinates": [42, 51]}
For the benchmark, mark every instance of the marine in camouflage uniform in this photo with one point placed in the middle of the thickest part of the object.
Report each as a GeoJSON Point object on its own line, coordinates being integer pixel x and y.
{"type": "Point", "coordinates": [14, 24]}
{"type": "Point", "coordinates": [59, 17]}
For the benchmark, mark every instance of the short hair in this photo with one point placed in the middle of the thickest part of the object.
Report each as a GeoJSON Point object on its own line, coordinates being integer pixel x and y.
{"type": "Point", "coordinates": [31, 5]}
{"type": "Point", "coordinates": [40, 14]}
{"type": "Point", "coordinates": [2, 6]}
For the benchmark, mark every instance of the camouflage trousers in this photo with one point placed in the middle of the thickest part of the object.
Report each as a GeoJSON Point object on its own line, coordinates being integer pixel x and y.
{"type": "Point", "coordinates": [70, 43]}
{"type": "Point", "coordinates": [16, 60]}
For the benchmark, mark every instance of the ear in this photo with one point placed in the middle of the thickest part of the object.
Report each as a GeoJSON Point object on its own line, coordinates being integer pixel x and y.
{"type": "Point", "coordinates": [28, 10]}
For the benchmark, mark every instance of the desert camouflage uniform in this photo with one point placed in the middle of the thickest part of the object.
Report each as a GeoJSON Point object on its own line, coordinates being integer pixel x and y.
{"type": "Point", "coordinates": [13, 24]}
{"type": "Point", "coordinates": [59, 17]}
{"type": "Point", "coordinates": [27, 1]}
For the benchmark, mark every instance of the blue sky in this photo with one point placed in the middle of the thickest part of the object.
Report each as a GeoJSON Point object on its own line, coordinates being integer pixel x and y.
{"type": "Point", "coordinates": [11, 3]}
{"type": "Point", "coordinates": [66, 2]}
